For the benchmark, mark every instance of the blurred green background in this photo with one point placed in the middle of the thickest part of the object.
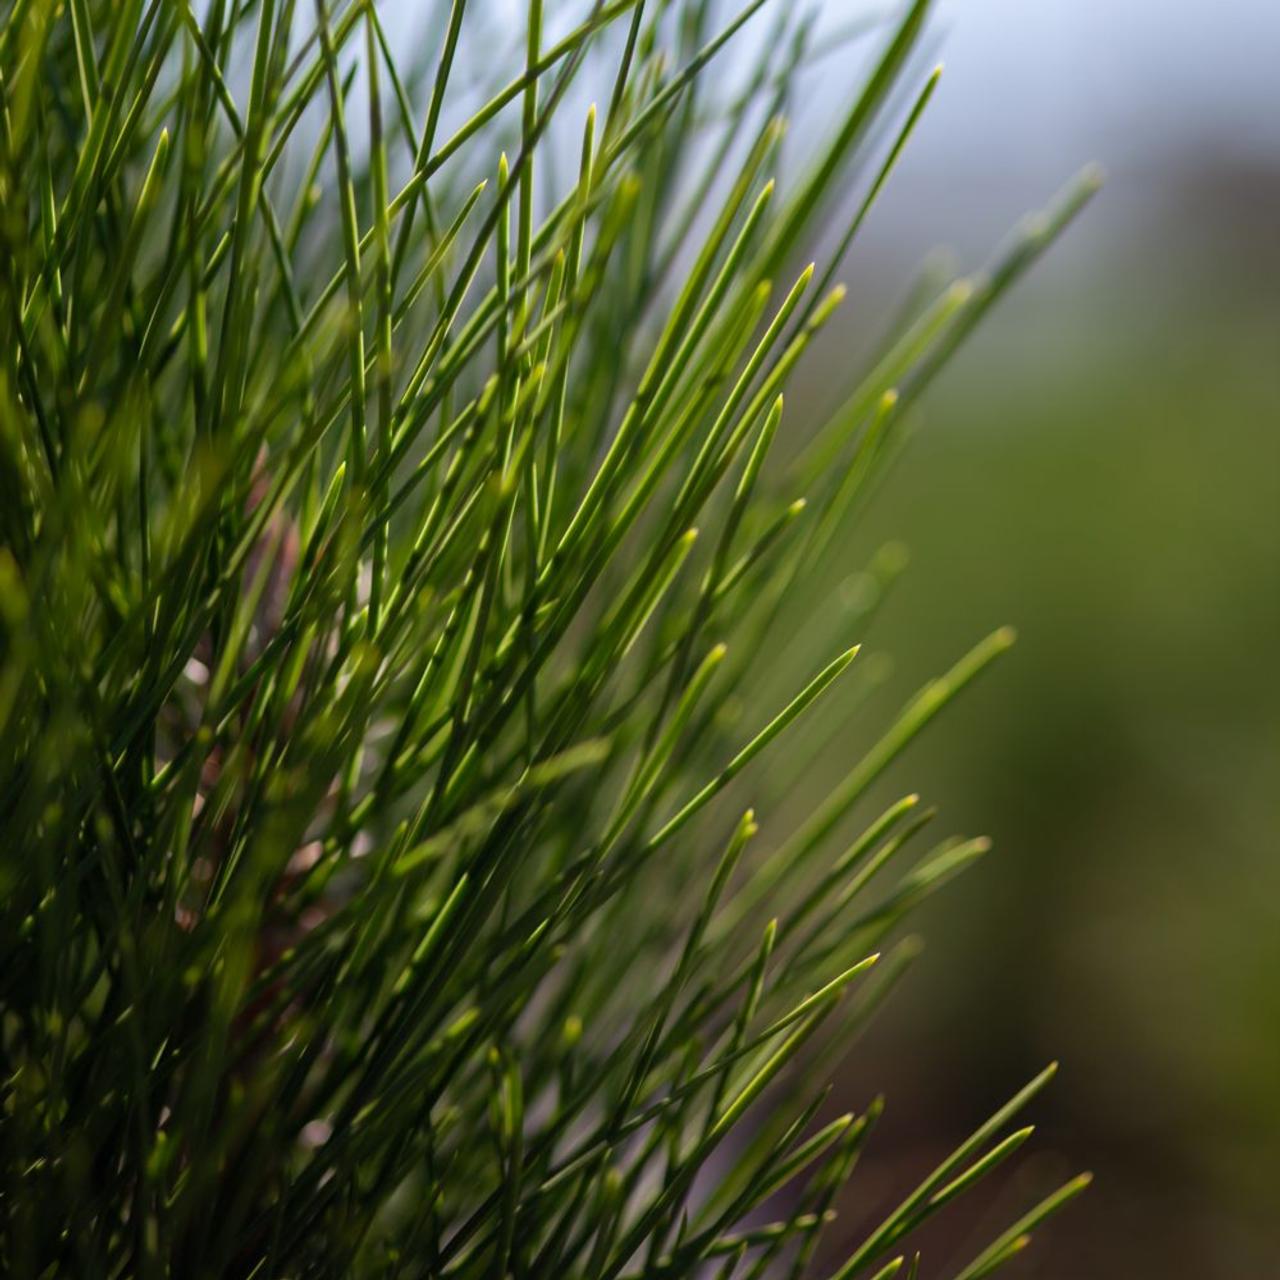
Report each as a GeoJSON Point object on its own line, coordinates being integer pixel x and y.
{"type": "Point", "coordinates": [1101, 468]}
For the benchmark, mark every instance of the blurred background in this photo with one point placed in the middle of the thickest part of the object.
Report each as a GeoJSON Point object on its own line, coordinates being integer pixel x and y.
{"type": "Point", "coordinates": [1101, 468]}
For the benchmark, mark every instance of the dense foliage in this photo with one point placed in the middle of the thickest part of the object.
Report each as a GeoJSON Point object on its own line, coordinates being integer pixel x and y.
{"type": "Point", "coordinates": [394, 571]}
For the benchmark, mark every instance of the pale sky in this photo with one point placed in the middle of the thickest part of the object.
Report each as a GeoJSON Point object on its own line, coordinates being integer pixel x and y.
{"type": "Point", "coordinates": [1033, 89]}
{"type": "Point", "coordinates": [1040, 78]}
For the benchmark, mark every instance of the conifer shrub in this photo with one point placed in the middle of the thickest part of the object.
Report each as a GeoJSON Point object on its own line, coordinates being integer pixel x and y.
{"type": "Point", "coordinates": [414, 624]}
